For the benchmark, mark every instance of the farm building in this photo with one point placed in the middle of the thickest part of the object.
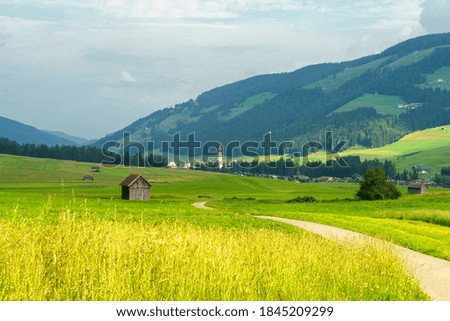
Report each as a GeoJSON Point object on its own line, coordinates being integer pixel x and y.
{"type": "Point", "coordinates": [421, 169]}
{"type": "Point", "coordinates": [417, 188]}
{"type": "Point", "coordinates": [172, 165]}
{"type": "Point", "coordinates": [135, 188]}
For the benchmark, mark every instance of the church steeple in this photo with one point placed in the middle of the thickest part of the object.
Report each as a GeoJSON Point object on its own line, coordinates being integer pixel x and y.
{"type": "Point", "coordinates": [220, 156]}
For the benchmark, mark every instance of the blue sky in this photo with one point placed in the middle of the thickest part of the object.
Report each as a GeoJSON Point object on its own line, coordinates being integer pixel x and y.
{"type": "Point", "coordinates": [92, 67]}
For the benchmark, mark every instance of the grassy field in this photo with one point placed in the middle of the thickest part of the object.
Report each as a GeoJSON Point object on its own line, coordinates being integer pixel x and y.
{"type": "Point", "coordinates": [421, 223]}
{"type": "Point", "coordinates": [384, 105]}
{"type": "Point", "coordinates": [335, 81]}
{"type": "Point", "coordinates": [248, 104]}
{"type": "Point", "coordinates": [65, 239]}
{"type": "Point", "coordinates": [442, 74]}
{"type": "Point", "coordinates": [412, 58]}
{"type": "Point", "coordinates": [430, 147]}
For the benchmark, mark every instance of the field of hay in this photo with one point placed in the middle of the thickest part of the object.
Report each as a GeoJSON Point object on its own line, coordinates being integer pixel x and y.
{"type": "Point", "coordinates": [65, 239]}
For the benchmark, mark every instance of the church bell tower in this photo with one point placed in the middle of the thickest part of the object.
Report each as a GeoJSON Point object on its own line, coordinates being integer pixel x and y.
{"type": "Point", "coordinates": [220, 157]}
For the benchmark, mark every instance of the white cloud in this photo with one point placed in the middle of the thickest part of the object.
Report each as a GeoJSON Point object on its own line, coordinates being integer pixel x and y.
{"type": "Point", "coordinates": [127, 77]}
{"type": "Point", "coordinates": [436, 15]}
{"type": "Point", "coordinates": [18, 24]}
{"type": "Point", "coordinates": [180, 9]}
{"type": "Point", "coordinates": [91, 55]}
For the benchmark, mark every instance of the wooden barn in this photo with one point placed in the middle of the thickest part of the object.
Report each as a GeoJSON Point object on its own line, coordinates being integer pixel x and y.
{"type": "Point", "coordinates": [417, 188]}
{"type": "Point", "coordinates": [88, 177]}
{"type": "Point", "coordinates": [135, 188]}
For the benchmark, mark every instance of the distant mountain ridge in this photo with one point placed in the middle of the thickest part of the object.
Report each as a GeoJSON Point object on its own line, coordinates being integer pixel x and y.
{"type": "Point", "coordinates": [77, 140]}
{"type": "Point", "coordinates": [25, 134]}
{"type": "Point", "coordinates": [371, 101]}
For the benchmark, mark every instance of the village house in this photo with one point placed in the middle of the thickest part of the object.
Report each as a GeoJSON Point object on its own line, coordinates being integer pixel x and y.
{"type": "Point", "coordinates": [172, 165]}
{"type": "Point", "coordinates": [421, 169]}
{"type": "Point", "coordinates": [302, 178]}
{"type": "Point", "coordinates": [324, 179]}
{"type": "Point", "coordinates": [135, 188]}
{"type": "Point", "coordinates": [417, 188]}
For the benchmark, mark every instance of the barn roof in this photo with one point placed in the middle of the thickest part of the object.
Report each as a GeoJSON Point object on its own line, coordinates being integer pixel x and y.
{"type": "Point", "coordinates": [131, 179]}
{"type": "Point", "coordinates": [417, 185]}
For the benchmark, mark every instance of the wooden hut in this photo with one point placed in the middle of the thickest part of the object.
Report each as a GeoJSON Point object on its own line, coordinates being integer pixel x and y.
{"type": "Point", "coordinates": [88, 177]}
{"type": "Point", "coordinates": [135, 188]}
{"type": "Point", "coordinates": [417, 188]}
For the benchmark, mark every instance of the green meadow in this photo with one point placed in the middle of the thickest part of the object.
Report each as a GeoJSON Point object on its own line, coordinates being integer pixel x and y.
{"type": "Point", "coordinates": [430, 147]}
{"type": "Point", "coordinates": [62, 238]}
{"type": "Point", "coordinates": [439, 79]}
{"type": "Point", "coordinates": [384, 105]}
{"type": "Point", "coordinates": [333, 82]}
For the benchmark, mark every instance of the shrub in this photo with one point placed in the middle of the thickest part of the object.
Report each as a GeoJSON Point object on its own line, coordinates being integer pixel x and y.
{"type": "Point", "coordinates": [376, 186]}
{"type": "Point", "coordinates": [304, 199]}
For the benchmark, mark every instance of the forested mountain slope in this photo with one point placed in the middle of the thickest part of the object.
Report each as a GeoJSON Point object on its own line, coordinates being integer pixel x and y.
{"type": "Point", "coordinates": [371, 101]}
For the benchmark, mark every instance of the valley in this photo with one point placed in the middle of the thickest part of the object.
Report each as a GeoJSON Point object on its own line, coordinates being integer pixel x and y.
{"type": "Point", "coordinates": [67, 234]}
{"type": "Point", "coordinates": [60, 224]}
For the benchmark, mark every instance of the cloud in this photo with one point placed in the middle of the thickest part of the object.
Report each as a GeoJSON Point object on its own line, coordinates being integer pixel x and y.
{"type": "Point", "coordinates": [177, 9]}
{"type": "Point", "coordinates": [4, 39]}
{"type": "Point", "coordinates": [100, 55]}
{"type": "Point", "coordinates": [127, 77]}
{"type": "Point", "coordinates": [17, 24]}
{"type": "Point", "coordinates": [435, 17]}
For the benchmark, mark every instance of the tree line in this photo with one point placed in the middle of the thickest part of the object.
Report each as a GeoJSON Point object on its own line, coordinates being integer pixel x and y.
{"type": "Point", "coordinates": [82, 154]}
{"type": "Point", "coordinates": [350, 166]}
{"type": "Point", "coordinates": [89, 154]}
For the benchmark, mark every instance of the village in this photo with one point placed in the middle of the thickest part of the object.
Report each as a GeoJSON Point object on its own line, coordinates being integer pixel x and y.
{"type": "Point", "coordinates": [136, 187]}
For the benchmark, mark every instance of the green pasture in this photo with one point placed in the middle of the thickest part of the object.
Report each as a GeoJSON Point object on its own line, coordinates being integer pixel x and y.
{"type": "Point", "coordinates": [442, 74]}
{"type": "Point", "coordinates": [248, 104]}
{"type": "Point", "coordinates": [333, 82]}
{"type": "Point", "coordinates": [430, 147]}
{"type": "Point", "coordinates": [384, 105]}
{"type": "Point", "coordinates": [412, 58]}
{"type": "Point", "coordinates": [53, 227]}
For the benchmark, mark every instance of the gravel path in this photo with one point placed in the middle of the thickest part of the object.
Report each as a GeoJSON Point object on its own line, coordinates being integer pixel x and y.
{"type": "Point", "coordinates": [202, 206]}
{"type": "Point", "coordinates": [433, 274]}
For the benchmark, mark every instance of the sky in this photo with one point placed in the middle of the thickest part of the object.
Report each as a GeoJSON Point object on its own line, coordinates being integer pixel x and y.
{"type": "Point", "coordinates": [89, 68]}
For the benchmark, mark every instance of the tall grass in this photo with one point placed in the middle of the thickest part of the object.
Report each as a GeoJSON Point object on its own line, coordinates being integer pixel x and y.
{"type": "Point", "coordinates": [420, 223]}
{"type": "Point", "coordinates": [438, 217]}
{"type": "Point", "coordinates": [82, 257]}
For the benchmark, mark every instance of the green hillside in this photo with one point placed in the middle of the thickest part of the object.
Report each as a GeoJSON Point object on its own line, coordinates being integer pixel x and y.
{"type": "Point", "coordinates": [412, 58]}
{"type": "Point", "coordinates": [334, 81]}
{"type": "Point", "coordinates": [429, 148]}
{"type": "Point", "coordinates": [383, 104]}
{"type": "Point", "coordinates": [301, 105]}
{"type": "Point", "coordinates": [248, 104]}
{"type": "Point", "coordinates": [439, 79]}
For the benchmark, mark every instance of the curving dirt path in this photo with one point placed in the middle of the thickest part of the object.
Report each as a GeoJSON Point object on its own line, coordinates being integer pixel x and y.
{"type": "Point", "coordinates": [202, 206]}
{"type": "Point", "coordinates": [433, 274]}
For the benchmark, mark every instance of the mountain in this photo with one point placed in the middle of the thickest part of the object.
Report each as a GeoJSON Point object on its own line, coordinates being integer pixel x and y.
{"type": "Point", "coordinates": [25, 134]}
{"type": "Point", "coordinates": [371, 101]}
{"type": "Point", "coordinates": [76, 140]}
